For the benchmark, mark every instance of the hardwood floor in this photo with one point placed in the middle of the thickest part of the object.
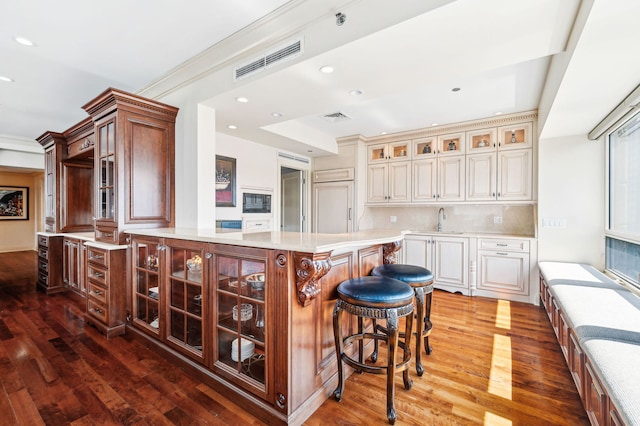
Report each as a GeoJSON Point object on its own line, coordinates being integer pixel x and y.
{"type": "Point", "coordinates": [493, 363]}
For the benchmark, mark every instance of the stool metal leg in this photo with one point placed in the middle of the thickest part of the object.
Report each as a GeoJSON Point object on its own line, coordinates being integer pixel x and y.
{"type": "Point", "coordinates": [337, 333]}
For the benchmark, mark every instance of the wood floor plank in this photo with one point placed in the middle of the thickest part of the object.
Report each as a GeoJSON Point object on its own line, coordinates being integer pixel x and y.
{"type": "Point", "coordinates": [56, 371]}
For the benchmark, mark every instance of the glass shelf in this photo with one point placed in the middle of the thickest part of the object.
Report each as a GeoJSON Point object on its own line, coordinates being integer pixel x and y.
{"type": "Point", "coordinates": [241, 319]}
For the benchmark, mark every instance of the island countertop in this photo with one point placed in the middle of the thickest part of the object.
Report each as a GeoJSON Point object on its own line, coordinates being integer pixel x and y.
{"type": "Point", "coordinates": [295, 241]}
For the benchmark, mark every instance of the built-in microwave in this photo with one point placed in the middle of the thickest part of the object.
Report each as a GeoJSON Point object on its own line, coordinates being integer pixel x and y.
{"type": "Point", "coordinates": [256, 203]}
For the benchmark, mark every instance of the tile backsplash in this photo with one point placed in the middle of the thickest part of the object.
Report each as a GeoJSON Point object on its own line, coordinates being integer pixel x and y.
{"type": "Point", "coordinates": [516, 219]}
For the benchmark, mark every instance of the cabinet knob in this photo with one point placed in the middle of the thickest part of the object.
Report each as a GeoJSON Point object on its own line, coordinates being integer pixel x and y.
{"type": "Point", "coordinates": [208, 255]}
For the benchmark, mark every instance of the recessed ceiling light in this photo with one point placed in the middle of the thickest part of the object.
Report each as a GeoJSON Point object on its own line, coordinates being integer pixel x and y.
{"type": "Point", "coordinates": [24, 41]}
{"type": "Point", "coordinates": [434, 124]}
{"type": "Point", "coordinates": [7, 79]}
{"type": "Point", "coordinates": [276, 114]}
{"type": "Point", "coordinates": [498, 113]}
{"type": "Point", "coordinates": [455, 89]}
{"type": "Point", "coordinates": [326, 69]}
{"type": "Point", "coordinates": [232, 126]}
{"type": "Point", "coordinates": [383, 133]}
{"type": "Point", "coordinates": [242, 99]}
{"type": "Point", "coordinates": [355, 92]}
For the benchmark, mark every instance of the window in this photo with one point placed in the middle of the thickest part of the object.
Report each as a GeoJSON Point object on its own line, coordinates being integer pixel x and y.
{"type": "Point", "coordinates": [623, 230]}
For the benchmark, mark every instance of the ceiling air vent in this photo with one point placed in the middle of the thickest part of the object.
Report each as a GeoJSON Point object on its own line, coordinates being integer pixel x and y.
{"type": "Point", "coordinates": [268, 59]}
{"type": "Point", "coordinates": [335, 117]}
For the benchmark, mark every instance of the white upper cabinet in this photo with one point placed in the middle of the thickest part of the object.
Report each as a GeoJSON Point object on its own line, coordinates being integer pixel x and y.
{"type": "Point", "coordinates": [451, 144]}
{"type": "Point", "coordinates": [438, 176]}
{"type": "Point", "coordinates": [516, 136]}
{"type": "Point", "coordinates": [479, 161]}
{"type": "Point", "coordinates": [395, 151]}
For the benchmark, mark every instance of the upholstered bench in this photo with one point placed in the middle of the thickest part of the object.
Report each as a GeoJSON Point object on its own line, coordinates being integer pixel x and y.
{"type": "Point", "coordinates": [597, 322]}
{"type": "Point", "coordinates": [615, 363]}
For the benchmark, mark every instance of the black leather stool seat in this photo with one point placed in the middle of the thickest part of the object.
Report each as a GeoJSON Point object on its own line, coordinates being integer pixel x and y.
{"type": "Point", "coordinates": [375, 291]}
{"type": "Point", "coordinates": [377, 298]}
{"type": "Point", "coordinates": [421, 280]}
{"type": "Point", "coordinates": [407, 273]}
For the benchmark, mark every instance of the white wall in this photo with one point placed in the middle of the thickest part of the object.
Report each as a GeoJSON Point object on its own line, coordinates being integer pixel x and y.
{"type": "Point", "coordinates": [256, 167]}
{"type": "Point", "coordinates": [571, 179]}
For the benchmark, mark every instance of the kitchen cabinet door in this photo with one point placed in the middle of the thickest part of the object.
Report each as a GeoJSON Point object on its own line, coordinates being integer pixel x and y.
{"type": "Point", "coordinates": [333, 207]}
{"type": "Point", "coordinates": [451, 178]}
{"type": "Point", "coordinates": [504, 272]}
{"type": "Point", "coordinates": [451, 263]}
{"type": "Point", "coordinates": [515, 175]}
{"type": "Point", "coordinates": [481, 177]}
{"type": "Point", "coordinates": [424, 180]}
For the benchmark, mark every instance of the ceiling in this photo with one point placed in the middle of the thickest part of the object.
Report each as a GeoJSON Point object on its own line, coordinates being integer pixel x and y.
{"type": "Point", "coordinates": [405, 61]}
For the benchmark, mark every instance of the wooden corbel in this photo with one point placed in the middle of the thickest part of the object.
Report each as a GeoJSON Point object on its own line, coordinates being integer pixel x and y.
{"type": "Point", "coordinates": [310, 267]}
{"type": "Point", "coordinates": [389, 252]}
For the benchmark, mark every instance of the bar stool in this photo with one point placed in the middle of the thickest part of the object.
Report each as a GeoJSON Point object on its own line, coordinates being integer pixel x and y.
{"type": "Point", "coordinates": [421, 280]}
{"type": "Point", "coordinates": [376, 298]}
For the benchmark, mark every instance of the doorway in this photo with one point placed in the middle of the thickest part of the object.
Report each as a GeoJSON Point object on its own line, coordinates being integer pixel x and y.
{"type": "Point", "coordinates": [292, 201]}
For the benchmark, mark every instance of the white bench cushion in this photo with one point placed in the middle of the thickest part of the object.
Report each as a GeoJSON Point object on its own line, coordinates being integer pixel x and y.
{"type": "Point", "coordinates": [600, 312]}
{"type": "Point", "coordinates": [574, 273]}
{"type": "Point", "coordinates": [616, 365]}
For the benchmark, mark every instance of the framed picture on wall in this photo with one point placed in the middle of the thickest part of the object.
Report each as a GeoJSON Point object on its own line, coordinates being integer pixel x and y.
{"type": "Point", "coordinates": [14, 203]}
{"type": "Point", "coordinates": [225, 181]}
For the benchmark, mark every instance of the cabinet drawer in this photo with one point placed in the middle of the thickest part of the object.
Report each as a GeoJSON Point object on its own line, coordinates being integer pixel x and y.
{"type": "Point", "coordinates": [43, 252]}
{"type": "Point", "coordinates": [43, 277]}
{"type": "Point", "coordinates": [97, 309]}
{"type": "Point", "coordinates": [504, 245]}
{"type": "Point", "coordinates": [43, 265]}
{"type": "Point", "coordinates": [97, 293]}
{"type": "Point", "coordinates": [97, 256]}
{"type": "Point", "coordinates": [43, 241]}
{"type": "Point", "coordinates": [97, 275]}
{"type": "Point", "coordinates": [107, 234]}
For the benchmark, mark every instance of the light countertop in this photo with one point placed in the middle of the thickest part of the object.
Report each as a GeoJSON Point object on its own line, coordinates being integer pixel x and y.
{"type": "Point", "coordinates": [295, 241]}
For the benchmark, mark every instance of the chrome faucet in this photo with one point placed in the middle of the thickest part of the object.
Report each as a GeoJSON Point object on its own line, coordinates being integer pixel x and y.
{"type": "Point", "coordinates": [444, 216]}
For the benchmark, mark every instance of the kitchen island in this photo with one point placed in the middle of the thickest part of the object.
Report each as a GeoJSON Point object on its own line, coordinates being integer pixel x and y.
{"type": "Point", "coordinates": [251, 313]}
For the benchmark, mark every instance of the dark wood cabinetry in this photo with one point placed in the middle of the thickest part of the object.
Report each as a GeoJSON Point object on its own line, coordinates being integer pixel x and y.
{"type": "Point", "coordinates": [113, 170]}
{"type": "Point", "coordinates": [134, 163]}
{"type": "Point", "coordinates": [50, 264]}
{"type": "Point", "coordinates": [73, 265]}
{"type": "Point", "coordinates": [106, 288]}
{"type": "Point", "coordinates": [255, 322]}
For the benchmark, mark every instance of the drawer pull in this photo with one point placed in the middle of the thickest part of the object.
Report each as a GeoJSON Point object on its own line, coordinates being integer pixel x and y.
{"type": "Point", "coordinates": [502, 245]}
{"type": "Point", "coordinates": [98, 274]}
{"type": "Point", "coordinates": [98, 256]}
{"type": "Point", "coordinates": [107, 234]}
{"type": "Point", "coordinates": [98, 310]}
{"type": "Point", "coordinates": [501, 253]}
{"type": "Point", "coordinates": [97, 292]}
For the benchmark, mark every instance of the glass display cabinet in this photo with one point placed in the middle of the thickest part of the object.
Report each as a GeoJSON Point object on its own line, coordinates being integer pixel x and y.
{"type": "Point", "coordinates": [147, 262]}
{"type": "Point", "coordinates": [242, 322]}
{"type": "Point", "coordinates": [187, 276]}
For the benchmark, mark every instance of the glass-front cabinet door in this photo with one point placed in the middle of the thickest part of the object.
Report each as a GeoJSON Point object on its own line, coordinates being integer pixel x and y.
{"type": "Point", "coordinates": [242, 324]}
{"type": "Point", "coordinates": [106, 159]}
{"type": "Point", "coordinates": [146, 296]}
{"type": "Point", "coordinates": [186, 301]}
